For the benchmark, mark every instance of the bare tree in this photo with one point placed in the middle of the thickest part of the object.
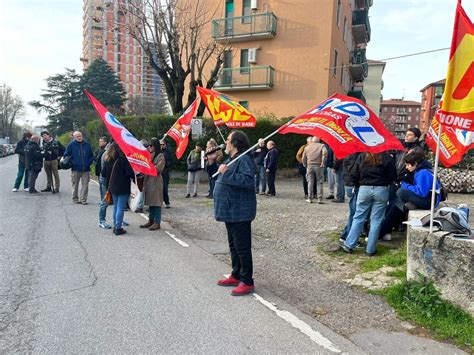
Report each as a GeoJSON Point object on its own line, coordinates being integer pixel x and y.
{"type": "Point", "coordinates": [11, 108]}
{"type": "Point", "coordinates": [172, 33]}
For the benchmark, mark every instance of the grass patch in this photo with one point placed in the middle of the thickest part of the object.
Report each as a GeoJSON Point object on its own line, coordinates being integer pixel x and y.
{"type": "Point", "coordinates": [420, 302]}
{"type": "Point", "coordinates": [385, 256]}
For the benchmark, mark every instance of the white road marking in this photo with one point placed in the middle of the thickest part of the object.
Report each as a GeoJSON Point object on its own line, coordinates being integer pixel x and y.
{"type": "Point", "coordinates": [177, 240]}
{"type": "Point", "coordinates": [297, 323]}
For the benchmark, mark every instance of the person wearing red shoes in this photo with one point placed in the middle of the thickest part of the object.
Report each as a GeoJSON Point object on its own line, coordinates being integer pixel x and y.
{"type": "Point", "coordinates": [235, 204]}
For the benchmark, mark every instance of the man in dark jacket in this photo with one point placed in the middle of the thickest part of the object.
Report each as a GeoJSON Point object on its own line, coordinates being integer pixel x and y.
{"type": "Point", "coordinates": [271, 164]}
{"type": "Point", "coordinates": [259, 154]}
{"type": "Point", "coordinates": [236, 205]}
{"type": "Point", "coordinates": [82, 158]}
{"type": "Point", "coordinates": [20, 150]}
{"type": "Point", "coordinates": [33, 162]}
{"type": "Point", "coordinates": [52, 149]}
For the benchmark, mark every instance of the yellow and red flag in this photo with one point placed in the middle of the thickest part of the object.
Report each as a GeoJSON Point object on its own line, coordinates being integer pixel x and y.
{"type": "Point", "coordinates": [457, 109]}
{"type": "Point", "coordinates": [180, 130]}
{"type": "Point", "coordinates": [225, 111]}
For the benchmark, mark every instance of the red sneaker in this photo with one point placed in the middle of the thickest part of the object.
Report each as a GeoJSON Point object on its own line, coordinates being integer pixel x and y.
{"type": "Point", "coordinates": [242, 289]}
{"type": "Point", "coordinates": [230, 281]}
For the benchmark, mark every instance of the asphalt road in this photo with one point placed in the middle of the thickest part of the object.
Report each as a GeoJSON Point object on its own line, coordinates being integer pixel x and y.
{"type": "Point", "coordinates": [68, 286]}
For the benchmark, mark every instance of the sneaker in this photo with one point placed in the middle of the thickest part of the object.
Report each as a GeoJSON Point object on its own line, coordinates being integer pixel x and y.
{"type": "Point", "coordinates": [76, 201]}
{"type": "Point", "coordinates": [84, 202]}
{"type": "Point", "coordinates": [342, 240]}
{"type": "Point", "coordinates": [230, 281]}
{"type": "Point", "coordinates": [330, 197]}
{"type": "Point", "coordinates": [320, 202]}
{"type": "Point", "coordinates": [139, 210]}
{"type": "Point", "coordinates": [366, 239]}
{"type": "Point", "coordinates": [104, 225]}
{"type": "Point", "coordinates": [120, 231]}
{"type": "Point", "coordinates": [48, 189]}
{"type": "Point", "coordinates": [195, 195]}
{"type": "Point", "coordinates": [242, 289]}
{"type": "Point", "coordinates": [14, 189]}
{"type": "Point", "coordinates": [167, 206]}
{"type": "Point", "coordinates": [188, 196]}
{"type": "Point", "coordinates": [26, 189]}
{"type": "Point", "coordinates": [346, 249]}
{"type": "Point", "coordinates": [387, 237]}
{"type": "Point", "coordinates": [309, 200]}
{"type": "Point", "coordinates": [33, 192]}
{"type": "Point", "coordinates": [262, 193]}
{"type": "Point", "coordinates": [305, 197]}
{"type": "Point", "coordinates": [56, 191]}
{"type": "Point", "coordinates": [126, 224]}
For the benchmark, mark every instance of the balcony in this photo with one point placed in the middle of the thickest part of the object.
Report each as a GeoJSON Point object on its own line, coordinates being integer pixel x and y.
{"type": "Point", "coordinates": [361, 26]}
{"type": "Point", "coordinates": [363, 4]}
{"type": "Point", "coordinates": [248, 78]}
{"type": "Point", "coordinates": [244, 28]}
{"type": "Point", "coordinates": [359, 67]}
{"type": "Point", "coordinates": [358, 94]}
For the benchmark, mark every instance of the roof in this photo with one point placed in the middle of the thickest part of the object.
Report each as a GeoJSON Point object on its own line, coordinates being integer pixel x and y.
{"type": "Point", "coordinates": [436, 83]}
{"type": "Point", "coordinates": [400, 102]}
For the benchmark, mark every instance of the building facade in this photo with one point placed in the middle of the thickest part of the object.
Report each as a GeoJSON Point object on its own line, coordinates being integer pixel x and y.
{"type": "Point", "coordinates": [430, 96]}
{"type": "Point", "coordinates": [398, 115]}
{"type": "Point", "coordinates": [105, 36]}
{"type": "Point", "coordinates": [373, 85]}
{"type": "Point", "coordinates": [285, 57]}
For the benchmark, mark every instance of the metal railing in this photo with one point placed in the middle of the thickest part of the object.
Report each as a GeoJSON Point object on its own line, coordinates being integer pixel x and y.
{"type": "Point", "coordinates": [242, 27]}
{"type": "Point", "coordinates": [253, 78]}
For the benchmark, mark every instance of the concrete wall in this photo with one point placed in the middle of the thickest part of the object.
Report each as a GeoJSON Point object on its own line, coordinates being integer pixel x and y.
{"type": "Point", "coordinates": [449, 264]}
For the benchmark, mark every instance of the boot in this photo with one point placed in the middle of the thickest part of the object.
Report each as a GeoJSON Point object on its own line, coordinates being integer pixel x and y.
{"type": "Point", "coordinates": [154, 227]}
{"type": "Point", "coordinates": [147, 224]}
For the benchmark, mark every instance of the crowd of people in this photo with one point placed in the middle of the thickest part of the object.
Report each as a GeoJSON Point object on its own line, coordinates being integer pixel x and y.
{"type": "Point", "coordinates": [380, 187]}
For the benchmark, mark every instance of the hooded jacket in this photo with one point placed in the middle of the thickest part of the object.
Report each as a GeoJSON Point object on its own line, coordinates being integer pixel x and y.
{"type": "Point", "coordinates": [423, 182]}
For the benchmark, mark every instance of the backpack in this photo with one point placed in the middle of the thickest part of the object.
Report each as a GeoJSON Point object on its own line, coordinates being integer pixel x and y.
{"type": "Point", "coordinates": [451, 220]}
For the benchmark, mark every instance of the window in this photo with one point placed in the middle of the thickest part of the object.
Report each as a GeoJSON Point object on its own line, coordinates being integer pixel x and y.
{"type": "Point", "coordinates": [384, 109]}
{"type": "Point", "coordinates": [344, 29]}
{"type": "Point", "coordinates": [335, 64]}
{"type": "Point", "coordinates": [244, 104]}
{"type": "Point", "coordinates": [393, 109]}
{"type": "Point", "coordinates": [338, 12]}
{"type": "Point", "coordinates": [417, 110]}
{"type": "Point", "coordinates": [342, 74]}
{"type": "Point", "coordinates": [409, 109]}
{"type": "Point", "coordinates": [246, 11]}
{"type": "Point", "coordinates": [244, 61]}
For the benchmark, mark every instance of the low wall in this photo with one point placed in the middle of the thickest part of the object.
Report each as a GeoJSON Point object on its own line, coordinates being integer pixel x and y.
{"type": "Point", "coordinates": [449, 263]}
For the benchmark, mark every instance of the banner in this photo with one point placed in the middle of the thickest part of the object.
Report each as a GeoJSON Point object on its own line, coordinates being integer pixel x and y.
{"type": "Point", "coordinates": [180, 130]}
{"type": "Point", "coordinates": [457, 110]}
{"type": "Point", "coordinates": [224, 111]}
{"type": "Point", "coordinates": [346, 124]}
{"type": "Point", "coordinates": [454, 143]}
{"type": "Point", "coordinates": [138, 156]}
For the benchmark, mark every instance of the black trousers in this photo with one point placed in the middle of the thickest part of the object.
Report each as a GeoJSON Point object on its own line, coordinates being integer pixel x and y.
{"type": "Point", "coordinates": [166, 182]}
{"type": "Point", "coordinates": [271, 183]}
{"type": "Point", "coordinates": [32, 176]}
{"type": "Point", "coordinates": [239, 235]}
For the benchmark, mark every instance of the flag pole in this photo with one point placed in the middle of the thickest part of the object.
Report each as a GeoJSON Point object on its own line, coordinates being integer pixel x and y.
{"type": "Point", "coordinates": [222, 136]}
{"type": "Point", "coordinates": [252, 147]}
{"type": "Point", "coordinates": [435, 173]}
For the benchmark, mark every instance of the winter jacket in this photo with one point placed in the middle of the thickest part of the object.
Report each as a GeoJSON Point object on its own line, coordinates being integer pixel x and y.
{"type": "Point", "coordinates": [234, 192]}
{"type": "Point", "coordinates": [51, 150]}
{"type": "Point", "coordinates": [329, 163]}
{"type": "Point", "coordinates": [271, 160]}
{"type": "Point", "coordinates": [98, 160]}
{"type": "Point", "coordinates": [314, 154]}
{"type": "Point", "coordinates": [117, 179]}
{"type": "Point", "coordinates": [153, 185]}
{"type": "Point", "coordinates": [33, 157]}
{"type": "Point", "coordinates": [194, 161]}
{"type": "Point", "coordinates": [20, 150]}
{"type": "Point", "coordinates": [348, 172]}
{"type": "Point", "coordinates": [259, 156]}
{"type": "Point", "coordinates": [423, 182]}
{"type": "Point", "coordinates": [81, 155]}
{"type": "Point", "coordinates": [369, 175]}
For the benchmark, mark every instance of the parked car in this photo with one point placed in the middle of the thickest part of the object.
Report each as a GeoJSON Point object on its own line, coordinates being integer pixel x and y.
{"type": "Point", "coordinates": [3, 152]}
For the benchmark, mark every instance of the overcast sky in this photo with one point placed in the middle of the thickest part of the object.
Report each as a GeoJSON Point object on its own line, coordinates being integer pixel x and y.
{"type": "Point", "coordinates": [40, 38]}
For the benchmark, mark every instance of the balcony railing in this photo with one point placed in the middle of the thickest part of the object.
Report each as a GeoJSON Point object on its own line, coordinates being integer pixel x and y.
{"type": "Point", "coordinates": [361, 26]}
{"type": "Point", "coordinates": [248, 78]}
{"type": "Point", "coordinates": [244, 28]}
{"type": "Point", "coordinates": [358, 94]}
{"type": "Point", "coordinates": [359, 67]}
{"type": "Point", "coordinates": [363, 4]}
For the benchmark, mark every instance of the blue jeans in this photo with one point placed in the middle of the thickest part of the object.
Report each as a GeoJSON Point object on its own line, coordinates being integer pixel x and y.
{"type": "Point", "coordinates": [351, 192]}
{"type": "Point", "coordinates": [102, 204]}
{"type": "Point", "coordinates": [120, 201]}
{"type": "Point", "coordinates": [260, 178]}
{"type": "Point", "coordinates": [339, 185]}
{"type": "Point", "coordinates": [154, 214]}
{"type": "Point", "coordinates": [19, 176]}
{"type": "Point", "coordinates": [373, 200]}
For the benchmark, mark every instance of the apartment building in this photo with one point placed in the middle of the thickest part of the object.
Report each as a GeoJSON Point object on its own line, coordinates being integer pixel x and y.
{"type": "Point", "coordinates": [430, 96]}
{"type": "Point", "coordinates": [373, 85]}
{"type": "Point", "coordinates": [105, 36]}
{"type": "Point", "coordinates": [398, 115]}
{"type": "Point", "coordinates": [283, 57]}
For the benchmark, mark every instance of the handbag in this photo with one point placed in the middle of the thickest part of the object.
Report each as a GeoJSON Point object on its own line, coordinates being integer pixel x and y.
{"type": "Point", "coordinates": [134, 199]}
{"type": "Point", "coordinates": [108, 196]}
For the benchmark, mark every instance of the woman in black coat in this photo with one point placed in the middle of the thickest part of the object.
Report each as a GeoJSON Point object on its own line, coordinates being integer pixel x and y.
{"type": "Point", "coordinates": [118, 175]}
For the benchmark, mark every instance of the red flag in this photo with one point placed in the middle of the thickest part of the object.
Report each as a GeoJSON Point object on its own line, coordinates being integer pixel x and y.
{"type": "Point", "coordinates": [346, 124]}
{"type": "Point", "coordinates": [457, 109]}
{"type": "Point", "coordinates": [137, 155]}
{"type": "Point", "coordinates": [226, 111]}
{"type": "Point", "coordinates": [454, 143]}
{"type": "Point", "coordinates": [180, 130]}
